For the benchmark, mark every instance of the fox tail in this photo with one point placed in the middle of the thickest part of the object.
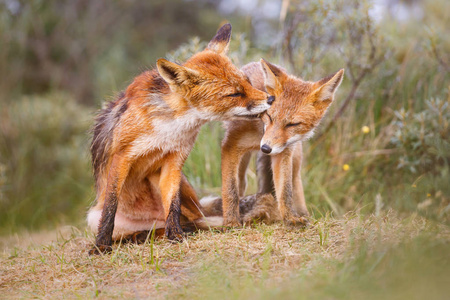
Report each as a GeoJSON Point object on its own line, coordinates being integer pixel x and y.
{"type": "Point", "coordinates": [261, 207]}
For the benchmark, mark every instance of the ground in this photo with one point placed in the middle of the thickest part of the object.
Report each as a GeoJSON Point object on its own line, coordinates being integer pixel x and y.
{"type": "Point", "coordinates": [352, 257]}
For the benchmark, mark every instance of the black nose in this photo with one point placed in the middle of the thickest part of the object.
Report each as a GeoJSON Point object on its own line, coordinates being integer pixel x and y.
{"type": "Point", "coordinates": [270, 100]}
{"type": "Point", "coordinates": [266, 149]}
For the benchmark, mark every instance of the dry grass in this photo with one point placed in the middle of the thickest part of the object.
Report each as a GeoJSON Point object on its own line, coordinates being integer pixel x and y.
{"type": "Point", "coordinates": [262, 256]}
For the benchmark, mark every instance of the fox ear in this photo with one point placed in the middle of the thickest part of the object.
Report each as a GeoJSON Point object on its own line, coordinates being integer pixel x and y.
{"type": "Point", "coordinates": [271, 76]}
{"type": "Point", "coordinates": [221, 40]}
{"type": "Point", "coordinates": [326, 87]}
{"type": "Point", "coordinates": [174, 74]}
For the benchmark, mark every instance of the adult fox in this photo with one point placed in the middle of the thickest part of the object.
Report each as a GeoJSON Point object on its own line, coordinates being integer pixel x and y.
{"type": "Point", "coordinates": [297, 110]}
{"type": "Point", "coordinates": [142, 139]}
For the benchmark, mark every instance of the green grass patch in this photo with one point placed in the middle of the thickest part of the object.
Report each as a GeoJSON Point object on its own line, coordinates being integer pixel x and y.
{"type": "Point", "coordinates": [388, 256]}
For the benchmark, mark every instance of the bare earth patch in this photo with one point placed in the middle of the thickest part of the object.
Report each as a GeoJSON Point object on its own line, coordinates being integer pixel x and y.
{"type": "Point", "coordinates": [234, 264]}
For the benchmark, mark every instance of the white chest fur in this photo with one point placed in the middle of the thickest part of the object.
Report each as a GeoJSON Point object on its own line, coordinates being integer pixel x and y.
{"type": "Point", "coordinates": [176, 134]}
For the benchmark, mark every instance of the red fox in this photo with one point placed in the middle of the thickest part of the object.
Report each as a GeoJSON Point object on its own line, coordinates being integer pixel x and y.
{"type": "Point", "coordinates": [142, 139]}
{"type": "Point", "coordinates": [296, 111]}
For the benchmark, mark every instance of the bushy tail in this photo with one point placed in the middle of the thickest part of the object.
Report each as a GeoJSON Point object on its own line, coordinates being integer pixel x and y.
{"type": "Point", "coordinates": [261, 207]}
{"type": "Point", "coordinates": [211, 206]}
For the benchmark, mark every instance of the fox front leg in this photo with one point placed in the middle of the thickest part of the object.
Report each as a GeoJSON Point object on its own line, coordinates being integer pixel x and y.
{"type": "Point", "coordinates": [298, 193]}
{"type": "Point", "coordinates": [282, 175]}
{"type": "Point", "coordinates": [231, 159]}
{"type": "Point", "coordinates": [170, 191]}
{"type": "Point", "coordinates": [117, 174]}
{"type": "Point", "coordinates": [174, 232]}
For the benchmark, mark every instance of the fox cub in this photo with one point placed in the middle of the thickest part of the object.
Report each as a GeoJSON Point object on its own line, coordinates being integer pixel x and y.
{"type": "Point", "coordinates": [297, 109]}
{"type": "Point", "coordinates": [142, 139]}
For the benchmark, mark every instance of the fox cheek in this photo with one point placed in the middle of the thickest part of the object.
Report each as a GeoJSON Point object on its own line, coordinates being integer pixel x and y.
{"type": "Point", "coordinates": [294, 139]}
{"type": "Point", "coordinates": [307, 135]}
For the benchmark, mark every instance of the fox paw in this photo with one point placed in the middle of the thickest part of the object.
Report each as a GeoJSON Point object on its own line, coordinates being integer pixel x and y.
{"type": "Point", "coordinates": [174, 234]}
{"type": "Point", "coordinates": [139, 237]}
{"type": "Point", "coordinates": [100, 249]}
{"type": "Point", "coordinates": [232, 223]}
{"type": "Point", "coordinates": [296, 221]}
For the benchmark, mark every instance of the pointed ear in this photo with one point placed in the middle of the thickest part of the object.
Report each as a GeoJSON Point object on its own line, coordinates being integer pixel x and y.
{"type": "Point", "coordinates": [271, 76]}
{"type": "Point", "coordinates": [326, 87]}
{"type": "Point", "coordinates": [221, 40]}
{"type": "Point", "coordinates": [175, 74]}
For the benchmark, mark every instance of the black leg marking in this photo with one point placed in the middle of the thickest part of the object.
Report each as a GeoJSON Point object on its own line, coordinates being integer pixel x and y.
{"type": "Point", "coordinates": [103, 241]}
{"type": "Point", "coordinates": [174, 232]}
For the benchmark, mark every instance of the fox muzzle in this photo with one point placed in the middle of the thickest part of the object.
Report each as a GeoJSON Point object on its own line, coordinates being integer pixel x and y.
{"type": "Point", "coordinates": [266, 149]}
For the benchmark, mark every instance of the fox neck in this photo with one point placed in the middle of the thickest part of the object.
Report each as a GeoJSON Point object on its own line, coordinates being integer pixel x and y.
{"type": "Point", "coordinates": [181, 106]}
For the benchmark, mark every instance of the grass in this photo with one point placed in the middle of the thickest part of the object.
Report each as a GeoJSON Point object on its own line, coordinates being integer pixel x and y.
{"type": "Point", "coordinates": [353, 257]}
{"type": "Point", "coordinates": [393, 244]}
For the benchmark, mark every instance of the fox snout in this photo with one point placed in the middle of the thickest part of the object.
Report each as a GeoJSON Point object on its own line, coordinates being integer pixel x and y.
{"type": "Point", "coordinates": [275, 140]}
{"type": "Point", "coordinates": [260, 108]}
{"type": "Point", "coordinates": [269, 150]}
{"type": "Point", "coordinates": [254, 108]}
{"type": "Point", "coordinates": [272, 145]}
{"type": "Point", "coordinates": [266, 149]}
{"type": "Point", "coordinates": [272, 148]}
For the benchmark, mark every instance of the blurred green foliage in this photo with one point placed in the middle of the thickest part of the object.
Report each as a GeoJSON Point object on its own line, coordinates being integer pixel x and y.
{"type": "Point", "coordinates": [67, 55]}
{"type": "Point", "coordinates": [89, 48]}
{"type": "Point", "coordinates": [424, 136]}
{"type": "Point", "coordinates": [43, 148]}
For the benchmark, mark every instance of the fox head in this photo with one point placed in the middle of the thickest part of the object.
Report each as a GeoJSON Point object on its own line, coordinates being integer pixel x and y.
{"type": "Point", "coordinates": [211, 84]}
{"type": "Point", "coordinates": [298, 107]}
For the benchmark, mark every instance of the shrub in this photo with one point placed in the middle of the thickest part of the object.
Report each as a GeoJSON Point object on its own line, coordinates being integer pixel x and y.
{"type": "Point", "coordinates": [423, 137]}
{"type": "Point", "coordinates": [44, 152]}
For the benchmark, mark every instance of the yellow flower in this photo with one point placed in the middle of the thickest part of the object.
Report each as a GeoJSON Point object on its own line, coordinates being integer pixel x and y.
{"type": "Point", "coordinates": [345, 167]}
{"type": "Point", "coordinates": [365, 129]}
{"type": "Point", "coordinates": [414, 186]}
{"type": "Point", "coordinates": [428, 195]}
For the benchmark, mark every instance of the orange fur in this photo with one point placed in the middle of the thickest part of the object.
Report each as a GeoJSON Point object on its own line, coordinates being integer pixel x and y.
{"type": "Point", "coordinates": [297, 110]}
{"type": "Point", "coordinates": [142, 139]}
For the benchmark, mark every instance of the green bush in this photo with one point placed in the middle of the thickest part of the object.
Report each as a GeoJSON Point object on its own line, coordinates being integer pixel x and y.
{"type": "Point", "coordinates": [43, 147]}
{"type": "Point", "coordinates": [423, 137]}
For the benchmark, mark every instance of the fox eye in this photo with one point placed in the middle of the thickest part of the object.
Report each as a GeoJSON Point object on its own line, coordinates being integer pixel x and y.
{"type": "Point", "coordinates": [235, 95]}
{"type": "Point", "coordinates": [270, 118]}
{"type": "Point", "coordinates": [294, 124]}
